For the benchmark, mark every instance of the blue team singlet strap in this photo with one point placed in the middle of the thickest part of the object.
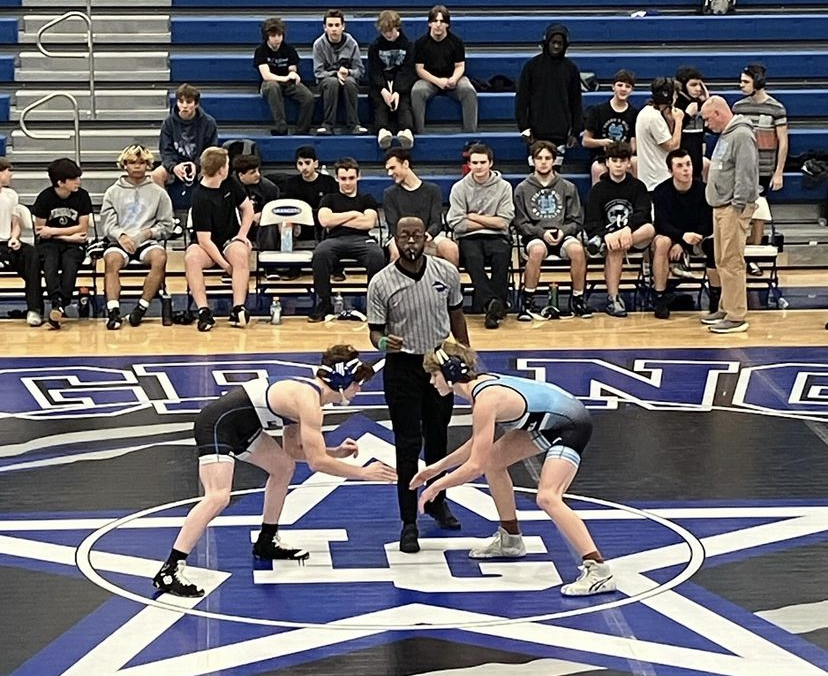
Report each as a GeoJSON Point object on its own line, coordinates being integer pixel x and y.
{"type": "Point", "coordinates": [308, 381]}
{"type": "Point", "coordinates": [497, 380]}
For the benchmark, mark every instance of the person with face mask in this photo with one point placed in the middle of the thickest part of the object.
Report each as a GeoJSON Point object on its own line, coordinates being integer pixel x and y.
{"type": "Point", "coordinates": [413, 305]}
{"type": "Point", "coordinates": [233, 428]}
{"type": "Point", "coordinates": [548, 100]}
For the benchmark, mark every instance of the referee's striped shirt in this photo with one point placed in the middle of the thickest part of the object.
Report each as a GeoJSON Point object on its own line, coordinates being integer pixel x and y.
{"type": "Point", "coordinates": [415, 306]}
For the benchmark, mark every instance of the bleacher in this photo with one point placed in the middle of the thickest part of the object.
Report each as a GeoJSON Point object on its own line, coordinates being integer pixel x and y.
{"type": "Point", "coordinates": [211, 44]}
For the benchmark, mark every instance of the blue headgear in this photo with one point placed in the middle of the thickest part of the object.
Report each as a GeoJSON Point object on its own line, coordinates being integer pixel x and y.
{"type": "Point", "coordinates": [341, 375]}
{"type": "Point", "coordinates": [451, 366]}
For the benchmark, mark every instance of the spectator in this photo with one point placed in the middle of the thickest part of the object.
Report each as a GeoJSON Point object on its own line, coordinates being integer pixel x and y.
{"type": "Point", "coordinates": [391, 69]}
{"type": "Point", "coordinates": [684, 225]}
{"type": "Point", "coordinates": [480, 211]}
{"type": "Point", "coordinates": [548, 99]}
{"type": "Point", "coordinates": [348, 217]}
{"type": "Point", "coordinates": [411, 196]}
{"type": "Point", "coordinates": [732, 189]}
{"type": "Point", "coordinates": [62, 214]}
{"type": "Point", "coordinates": [691, 96]}
{"type": "Point", "coordinates": [549, 218]}
{"type": "Point", "coordinates": [14, 253]}
{"type": "Point", "coordinates": [185, 133]}
{"type": "Point", "coordinates": [657, 132]}
{"type": "Point", "coordinates": [137, 215]}
{"type": "Point", "coordinates": [260, 190]}
{"type": "Point", "coordinates": [610, 122]}
{"type": "Point", "coordinates": [440, 58]}
{"type": "Point", "coordinates": [220, 237]}
{"type": "Point", "coordinates": [619, 213]}
{"type": "Point", "coordinates": [278, 65]}
{"type": "Point", "coordinates": [770, 125]}
{"type": "Point", "coordinates": [309, 185]}
{"type": "Point", "coordinates": [337, 65]}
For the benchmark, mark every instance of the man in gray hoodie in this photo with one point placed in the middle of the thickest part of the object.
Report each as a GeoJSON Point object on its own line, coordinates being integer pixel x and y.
{"type": "Point", "coordinates": [137, 215]}
{"type": "Point", "coordinates": [337, 65]}
{"type": "Point", "coordinates": [732, 189]}
{"type": "Point", "coordinates": [549, 218]}
{"type": "Point", "coordinates": [480, 211]}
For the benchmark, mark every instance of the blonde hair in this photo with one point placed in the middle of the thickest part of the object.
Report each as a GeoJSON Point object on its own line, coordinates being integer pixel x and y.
{"type": "Point", "coordinates": [136, 153]}
{"type": "Point", "coordinates": [388, 20]}
{"type": "Point", "coordinates": [431, 364]}
{"type": "Point", "coordinates": [212, 160]}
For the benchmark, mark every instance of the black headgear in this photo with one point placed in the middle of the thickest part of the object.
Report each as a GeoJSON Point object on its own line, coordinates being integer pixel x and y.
{"type": "Point", "coordinates": [341, 375]}
{"type": "Point", "coordinates": [758, 73]}
{"type": "Point", "coordinates": [451, 366]}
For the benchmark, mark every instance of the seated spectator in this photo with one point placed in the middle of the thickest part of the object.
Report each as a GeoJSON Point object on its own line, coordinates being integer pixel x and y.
{"type": "Point", "coordinates": [62, 214]}
{"type": "Point", "coordinates": [657, 132]}
{"type": "Point", "coordinates": [684, 226]}
{"type": "Point", "coordinates": [259, 189]}
{"type": "Point", "coordinates": [548, 99]}
{"type": "Point", "coordinates": [14, 253]}
{"type": "Point", "coordinates": [480, 212]}
{"type": "Point", "coordinates": [690, 98]}
{"type": "Point", "coordinates": [619, 219]}
{"type": "Point", "coordinates": [337, 65]}
{"type": "Point", "coordinates": [610, 122]}
{"type": "Point", "coordinates": [137, 217]}
{"type": "Point", "coordinates": [309, 185]}
{"type": "Point", "coordinates": [411, 196]}
{"type": "Point", "coordinates": [391, 70]}
{"type": "Point", "coordinates": [549, 219]}
{"type": "Point", "coordinates": [440, 62]}
{"type": "Point", "coordinates": [348, 217]}
{"type": "Point", "coordinates": [221, 216]}
{"type": "Point", "coordinates": [185, 133]}
{"type": "Point", "coordinates": [278, 65]}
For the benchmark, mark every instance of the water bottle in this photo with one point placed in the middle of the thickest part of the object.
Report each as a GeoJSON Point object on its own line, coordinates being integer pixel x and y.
{"type": "Point", "coordinates": [287, 237]}
{"type": "Point", "coordinates": [275, 312]}
{"type": "Point", "coordinates": [83, 302]}
{"type": "Point", "coordinates": [553, 294]}
{"type": "Point", "coordinates": [166, 309]}
{"type": "Point", "coordinates": [338, 304]}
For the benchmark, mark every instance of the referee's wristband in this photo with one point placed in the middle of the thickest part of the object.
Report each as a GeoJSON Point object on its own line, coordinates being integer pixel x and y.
{"type": "Point", "coordinates": [382, 343]}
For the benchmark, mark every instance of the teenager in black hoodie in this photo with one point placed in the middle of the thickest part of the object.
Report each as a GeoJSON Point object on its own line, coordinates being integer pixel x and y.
{"type": "Point", "coordinates": [619, 212]}
{"type": "Point", "coordinates": [548, 101]}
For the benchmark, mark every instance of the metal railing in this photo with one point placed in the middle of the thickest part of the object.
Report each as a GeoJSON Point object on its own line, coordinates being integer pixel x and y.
{"type": "Point", "coordinates": [50, 135]}
{"type": "Point", "coordinates": [88, 54]}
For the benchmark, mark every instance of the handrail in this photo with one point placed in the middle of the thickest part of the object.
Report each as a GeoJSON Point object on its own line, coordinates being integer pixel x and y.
{"type": "Point", "coordinates": [47, 135]}
{"type": "Point", "coordinates": [90, 53]}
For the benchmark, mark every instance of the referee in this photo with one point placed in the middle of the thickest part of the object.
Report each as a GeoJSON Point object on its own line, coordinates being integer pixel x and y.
{"type": "Point", "coordinates": [412, 305]}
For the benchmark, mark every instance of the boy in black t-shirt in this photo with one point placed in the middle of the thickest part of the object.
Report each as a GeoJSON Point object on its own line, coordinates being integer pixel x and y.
{"type": "Point", "coordinates": [611, 122]}
{"type": "Point", "coordinates": [348, 218]}
{"type": "Point", "coordinates": [440, 62]}
{"type": "Point", "coordinates": [309, 185]}
{"type": "Point", "coordinates": [61, 215]}
{"type": "Point", "coordinates": [218, 239]}
{"type": "Point", "coordinates": [278, 66]}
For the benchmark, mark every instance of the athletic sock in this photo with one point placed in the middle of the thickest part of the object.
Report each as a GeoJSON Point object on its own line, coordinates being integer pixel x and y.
{"type": "Point", "coordinates": [268, 531]}
{"type": "Point", "coordinates": [174, 557]}
{"type": "Point", "coordinates": [594, 556]}
{"type": "Point", "coordinates": [511, 527]}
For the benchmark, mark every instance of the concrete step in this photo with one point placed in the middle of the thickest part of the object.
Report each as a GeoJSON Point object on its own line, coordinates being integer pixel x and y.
{"type": "Point", "coordinates": [81, 76]}
{"type": "Point", "coordinates": [96, 145]}
{"type": "Point", "coordinates": [28, 184]}
{"type": "Point", "coordinates": [124, 62]}
{"type": "Point", "coordinates": [111, 29]}
{"type": "Point", "coordinates": [112, 104]}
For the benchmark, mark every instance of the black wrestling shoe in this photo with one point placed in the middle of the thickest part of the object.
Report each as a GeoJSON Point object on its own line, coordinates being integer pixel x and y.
{"type": "Point", "coordinates": [274, 549]}
{"type": "Point", "coordinates": [172, 581]}
{"type": "Point", "coordinates": [137, 315]}
{"type": "Point", "coordinates": [442, 515]}
{"type": "Point", "coordinates": [408, 539]}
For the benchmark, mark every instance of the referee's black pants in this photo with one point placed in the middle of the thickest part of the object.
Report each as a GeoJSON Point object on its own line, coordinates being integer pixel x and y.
{"type": "Point", "coordinates": [420, 418]}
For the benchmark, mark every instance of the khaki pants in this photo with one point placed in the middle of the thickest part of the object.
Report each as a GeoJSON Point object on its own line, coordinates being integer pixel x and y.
{"type": "Point", "coordinates": [730, 231]}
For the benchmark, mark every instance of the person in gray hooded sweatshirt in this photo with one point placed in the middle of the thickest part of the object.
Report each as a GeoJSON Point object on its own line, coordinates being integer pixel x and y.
{"type": "Point", "coordinates": [549, 218]}
{"type": "Point", "coordinates": [137, 215]}
{"type": "Point", "coordinates": [732, 189]}
{"type": "Point", "coordinates": [480, 211]}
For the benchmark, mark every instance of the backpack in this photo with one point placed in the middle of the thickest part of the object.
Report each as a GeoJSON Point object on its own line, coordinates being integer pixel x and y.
{"type": "Point", "coordinates": [718, 7]}
{"type": "Point", "coordinates": [241, 146]}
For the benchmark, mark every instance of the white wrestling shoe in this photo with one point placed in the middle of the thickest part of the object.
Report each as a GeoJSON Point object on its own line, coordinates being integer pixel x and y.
{"type": "Point", "coordinates": [502, 545]}
{"type": "Point", "coordinates": [595, 578]}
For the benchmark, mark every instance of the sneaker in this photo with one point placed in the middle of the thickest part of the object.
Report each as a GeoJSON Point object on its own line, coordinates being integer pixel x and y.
{"type": "Point", "coordinates": [754, 270]}
{"type": "Point", "coordinates": [442, 515]}
{"type": "Point", "coordinates": [34, 318]}
{"type": "Point", "coordinates": [616, 307]}
{"type": "Point", "coordinates": [530, 311]}
{"type": "Point", "coordinates": [274, 549]}
{"type": "Point", "coordinates": [279, 131]}
{"type": "Point", "coordinates": [408, 539]}
{"type": "Point", "coordinates": [662, 305]}
{"type": "Point", "coordinates": [713, 317]}
{"type": "Point", "coordinates": [137, 315]}
{"type": "Point", "coordinates": [172, 581]}
{"type": "Point", "coordinates": [595, 578]}
{"type": "Point", "coordinates": [502, 545]}
{"type": "Point", "coordinates": [114, 320]}
{"type": "Point", "coordinates": [579, 307]}
{"type": "Point", "coordinates": [324, 130]}
{"type": "Point", "coordinates": [406, 138]}
{"type": "Point", "coordinates": [239, 317]}
{"type": "Point", "coordinates": [55, 315]}
{"type": "Point", "coordinates": [494, 312]}
{"type": "Point", "coordinates": [358, 129]}
{"type": "Point", "coordinates": [206, 321]}
{"type": "Point", "coordinates": [322, 313]}
{"type": "Point", "coordinates": [338, 276]}
{"type": "Point", "coordinates": [728, 326]}
{"type": "Point", "coordinates": [384, 138]}
{"type": "Point", "coordinates": [682, 269]}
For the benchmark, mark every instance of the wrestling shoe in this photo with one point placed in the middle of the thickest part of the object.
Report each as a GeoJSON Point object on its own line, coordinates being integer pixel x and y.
{"type": "Point", "coordinates": [595, 578]}
{"type": "Point", "coordinates": [502, 545]}
{"type": "Point", "coordinates": [172, 581]}
{"type": "Point", "coordinates": [274, 549]}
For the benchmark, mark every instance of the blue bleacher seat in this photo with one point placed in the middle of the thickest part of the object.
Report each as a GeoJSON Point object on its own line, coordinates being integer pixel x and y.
{"type": "Point", "coordinates": [4, 107]}
{"type": "Point", "coordinates": [6, 69]}
{"type": "Point", "coordinates": [2, 146]}
{"type": "Point", "coordinates": [8, 31]}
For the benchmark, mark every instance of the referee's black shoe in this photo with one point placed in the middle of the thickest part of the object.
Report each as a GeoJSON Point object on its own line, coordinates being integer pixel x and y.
{"type": "Point", "coordinates": [321, 312]}
{"type": "Point", "coordinates": [441, 513]}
